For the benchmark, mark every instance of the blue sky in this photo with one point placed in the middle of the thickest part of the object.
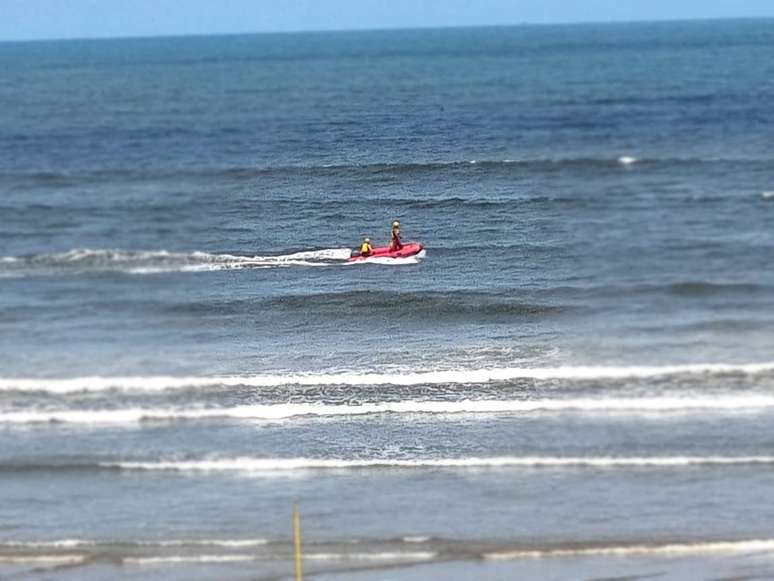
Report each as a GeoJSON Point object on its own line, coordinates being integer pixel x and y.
{"type": "Point", "coordinates": [32, 19]}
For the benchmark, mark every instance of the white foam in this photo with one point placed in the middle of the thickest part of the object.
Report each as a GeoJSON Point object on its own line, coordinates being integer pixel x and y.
{"type": "Point", "coordinates": [41, 560]}
{"type": "Point", "coordinates": [59, 544]}
{"type": "Point", "coordinates": [386, 556]}
{"type": "Point", "coordinates": [179, 559]}
{"type": "Point", "coordinates": [638, 405]}
{"type": "Point", "coordinates": [767, 195]}
{"type": "Point", "coordinates": [157, 261]}
{"type": "Point", "coordinates": [415, 539]}
{"type": "Point", "coordinates": [82, 543]}
{"type": "Point", "coordinates": [627, 160]}
{"type": "Point", "coordinates": [405, 378]}
{"type": "Point", "coordinates": [274, 465]}
{"type": "Point", "coordinates": [234, 543]}
{"type": "Point", "coordinates": [731, 547]}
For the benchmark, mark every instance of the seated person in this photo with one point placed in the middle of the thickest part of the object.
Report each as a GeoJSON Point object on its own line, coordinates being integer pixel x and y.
{"type": "Point", "coordinates": [365, 248]}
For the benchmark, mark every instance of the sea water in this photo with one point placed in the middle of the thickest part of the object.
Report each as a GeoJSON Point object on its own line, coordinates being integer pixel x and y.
{"type": "Point", "coordinates": [575, 381]}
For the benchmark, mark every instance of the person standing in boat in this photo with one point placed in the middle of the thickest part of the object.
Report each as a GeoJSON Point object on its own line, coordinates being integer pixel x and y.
{"type": "Point", "coordinates": [395, 243]}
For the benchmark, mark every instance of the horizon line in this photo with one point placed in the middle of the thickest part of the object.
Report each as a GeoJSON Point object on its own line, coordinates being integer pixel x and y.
{"type": "Point", "coordinates": [173, 35]}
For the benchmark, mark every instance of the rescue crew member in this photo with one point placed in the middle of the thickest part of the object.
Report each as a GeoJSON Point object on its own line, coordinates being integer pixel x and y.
{"type": "Point", "coordinates": [365, 248]}
{"type": "Point", "coordinates": [395, 243]}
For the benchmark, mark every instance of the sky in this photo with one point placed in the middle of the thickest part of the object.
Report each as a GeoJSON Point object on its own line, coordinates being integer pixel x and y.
{"type": "Point", "coordinates": [42, 19]}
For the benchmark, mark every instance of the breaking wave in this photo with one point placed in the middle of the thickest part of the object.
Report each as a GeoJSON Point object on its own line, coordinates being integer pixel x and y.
{"type": "Point", "coordinates": [407, 378]}
{"type": "Point", "coordinates": [179, 559]}
{"type": "Point", "coordinates": [308, 556]}
{"type": "Point", "coordinates": [644, 549]}
{"type": "Point", "coordinates": [42, 560]}
{"type": "Point", "coordinates": [275, 412]}
{"type": "Point", "coordinates": [369, 552]}
{"type": "Point", "coordinates": [87, 543]}
{"type": "Point", "coordinates": [272, 465]}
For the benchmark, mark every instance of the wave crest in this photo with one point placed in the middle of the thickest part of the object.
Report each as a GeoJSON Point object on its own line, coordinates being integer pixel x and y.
{"type": "Point", "coordinates": [277, 412]}
{"type": "Point", "coordinates": [399, 378]}
{"type": "Point", "coordinates": [696, 548]}
{"type": "Point", "coordinates": [273, 465]}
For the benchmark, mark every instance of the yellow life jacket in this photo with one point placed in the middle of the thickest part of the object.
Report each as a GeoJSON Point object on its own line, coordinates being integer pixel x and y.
{"type": "Point", "coordinates": [365, 248]}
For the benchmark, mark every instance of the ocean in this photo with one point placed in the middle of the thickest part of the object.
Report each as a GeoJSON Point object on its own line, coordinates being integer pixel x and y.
{"type": "Point", "coordinates": [576, 381]}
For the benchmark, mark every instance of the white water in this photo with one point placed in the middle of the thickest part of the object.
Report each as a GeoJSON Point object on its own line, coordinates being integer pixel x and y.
{"type": "Point", "coordinates": [273, 465]}
{"type": "Point", "coordinates": [156, 261]}
{"type": "Point", "coordinates": [624, 550]}
{"type": "Point", "coordinates": [382, 556]}
{"type": "Point", "coordinates": [85, 543]}
{"type": "Point", "coordinates": [42, 560]}
{"type": "Point", "coordinates": [408, 378]}
{"type": "Point", "coordinates": [633, 406]}
{"type": "Point", "coordinates": [178, 559]}
{"type": "Point", "coordinates": [386, 556]}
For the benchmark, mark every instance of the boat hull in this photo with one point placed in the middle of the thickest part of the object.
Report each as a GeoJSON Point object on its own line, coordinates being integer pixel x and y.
{"type": "Point", "coordinates": [407, 250]}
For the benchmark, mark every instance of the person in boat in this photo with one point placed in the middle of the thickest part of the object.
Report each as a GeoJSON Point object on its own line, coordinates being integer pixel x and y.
{"type": "Point", "coordinates": [365, 248]}
{"type": "Point", "coordinates": [395, 243]}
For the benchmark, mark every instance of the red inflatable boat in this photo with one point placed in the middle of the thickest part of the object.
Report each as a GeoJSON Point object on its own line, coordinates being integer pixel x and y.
{"type": "Point", "coordinates": [407, 250]}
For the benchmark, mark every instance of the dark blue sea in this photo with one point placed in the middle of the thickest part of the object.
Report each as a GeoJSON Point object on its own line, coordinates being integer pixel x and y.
{"type": "Point", "coordinates": [576, 381]}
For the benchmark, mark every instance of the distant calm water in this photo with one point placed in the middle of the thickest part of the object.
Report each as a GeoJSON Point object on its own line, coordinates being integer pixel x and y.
{"type": "Point", "coordinates": [583, 362]}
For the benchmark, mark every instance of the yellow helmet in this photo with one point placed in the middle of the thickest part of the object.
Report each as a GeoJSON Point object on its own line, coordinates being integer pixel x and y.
{"type": "Point", "coordinates": [395, 224]}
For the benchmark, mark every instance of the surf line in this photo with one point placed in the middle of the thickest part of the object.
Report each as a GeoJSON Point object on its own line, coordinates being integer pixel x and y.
{"type": "Point", "coordinates": [279, 465]}
{"type": "Point", "coordinates": [459, 376]}
{"type": "Point", "coordinates": [274, 412]}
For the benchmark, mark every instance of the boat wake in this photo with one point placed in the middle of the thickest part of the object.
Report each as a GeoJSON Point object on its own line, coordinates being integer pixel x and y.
{"type": "Point", "coordinates": [158, 261]}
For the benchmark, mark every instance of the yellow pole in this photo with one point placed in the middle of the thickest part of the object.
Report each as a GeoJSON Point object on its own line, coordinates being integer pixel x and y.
{"type": "Point", "coordinates": [297, 542]}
